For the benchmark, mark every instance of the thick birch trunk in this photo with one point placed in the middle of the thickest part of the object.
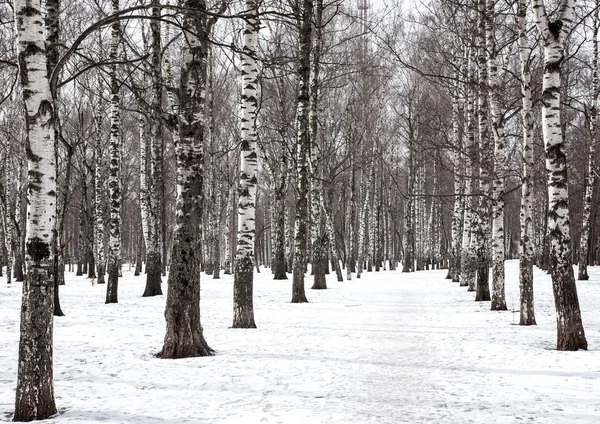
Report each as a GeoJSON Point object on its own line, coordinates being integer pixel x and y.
{"type": "Point", "coordinates": [243, 303]}
{"type": "Point", "coordinates": [570, 332]}
{"type": "Point", "coordinates": [184, 334]}
{"type": "Point", "coordinates": [35, 390]}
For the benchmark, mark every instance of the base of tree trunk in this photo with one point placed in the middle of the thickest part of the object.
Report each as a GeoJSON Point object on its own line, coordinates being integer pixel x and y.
{"type": "Point", "coordinates": [570, 332]}
{"type": "Point", "coordinates": [582, 274]}
{"type": "Point", "coordinates": [100, 272]}
{"type": "Point", "coordinates": [57, 309]}
{"type": "Point", "coordinates": [113, 284]}
{"type": "Point", "coordinates": [187, 340]}
{"type": "Point", "coordinates": [35, 389]}
{"type": "Point", "coordinates": [482, 292]}
{"type": "Point", "coordinates": [243, 302]}
{"type": "Point", "coordinates": [153, 275]}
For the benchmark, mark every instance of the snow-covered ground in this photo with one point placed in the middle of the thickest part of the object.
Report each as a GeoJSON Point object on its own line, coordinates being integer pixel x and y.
{"type": "Point", "coordinates": [388, 348]}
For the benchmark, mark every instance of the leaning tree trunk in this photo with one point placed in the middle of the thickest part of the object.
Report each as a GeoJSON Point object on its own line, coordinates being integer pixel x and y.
{"type": "Point", "coordinates": [114, 169]}
{"type": "Point", "coordinates": [35, 389]}
{"type": "Point", "coordinates": [498, 246]}
{"type": "Point", "coordinates": [527, 310]}
{"type": "Point", "coordinates": [243, 303]}
{"type": "Point", "coordinates": [303, 147]}
{"type": "Point", "coordinates": [184, 336]}
{"type": "Point", "coordinates": [584, 241]}
{"type": "Point", "coordinates": [154, 196]}
{"type": "Point", "coordinates": [570, 332]}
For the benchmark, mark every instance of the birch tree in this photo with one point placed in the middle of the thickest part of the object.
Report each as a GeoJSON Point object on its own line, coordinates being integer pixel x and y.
{"type": "Point", "coordinates": [584, 241]}
{"type": "Point", "coordinates": [35, 389]}
{"type": "Point", "coordinates": [303, 149]}
{"type": "Point", "coordinates": [114, 169]}
{"type": "Point", "coordinates": [554, 34]}
{"type": "Point", "coordinates": [526, 257]}
{"type": "Point", "coordinates": [184, 336]}
{"type": "Point", "coordinates": [243, 307]}
{"type": "Point", "coordinates": [155, 188]}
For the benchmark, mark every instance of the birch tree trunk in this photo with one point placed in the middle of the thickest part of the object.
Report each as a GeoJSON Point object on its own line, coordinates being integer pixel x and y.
{"type": "Point", "coordinates": [526, 258]}
{"type": "Point", "coordinates": [184, 334]}
{"type": "Point", "coordinates": [584, 241]}
{"type": "Point", "coordinates": [481, 244]}
{"type": "Point", "coordinates": [278, 222]}
{"type": "Point", "coordinates": [243, 303]}
{"type": "Point", "coordinates": [495, 89]}
{"type": "Point", "coordinates": [303, 149]}
{"type": "Point", "coordinates": [570, 332]}
{"type": "Point", "coordinates": [98, 189]}
{"type": "Point", "coordinates": [319, 263]}
{"type": "Point", "coordinates": [154, 212]}
{"type": "Point", "coordinates": [114, 170]}
{"type": "Point", "coordinates": [35, 389]}
{"type": "Point", "coordinates": [455, 263]}
{"type": "Point", "coordinates": [468, 260]}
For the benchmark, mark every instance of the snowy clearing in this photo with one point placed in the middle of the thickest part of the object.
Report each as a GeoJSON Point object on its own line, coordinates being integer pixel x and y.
{"type": "Point", "coordinates": [389, 348]}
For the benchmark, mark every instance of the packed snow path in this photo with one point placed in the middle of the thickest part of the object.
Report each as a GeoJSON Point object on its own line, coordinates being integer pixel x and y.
{"type": "Point", "coordinates": [388, 348]}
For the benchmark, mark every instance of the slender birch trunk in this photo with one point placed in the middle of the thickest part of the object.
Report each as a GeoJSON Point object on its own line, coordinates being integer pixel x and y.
{"type": "Point", "coordinates": [243, 303]}
{"type": "Point", "coordinates": [455, 263]}
{"type": "Point", "coordinates": [495, 90]}
{"type": "Point", "coordinates": [481, 240]}
{"type": "Point", "coordinates": [154, 213]}
{"type": "Point", "coordinates": [98, 189]}
{"type": "Point", "coordinates": [184, 334]}
{"type": "Point", "coordinates": [35, 389]}
{"type": "Point", "coordinates": [526, 258]}
{"type": "Point", "coordinates": [278, 221]}
{"type": "Point", "coordinates": [303, 148]}
{"type": "Point", "coordinates": [468, 260]}
{"type": "Point", "coordinates": [114, 183]}
{"type": "Point", "coordinates": [554, 34]}
{"type": "Point", "coordinates": [584, 241]}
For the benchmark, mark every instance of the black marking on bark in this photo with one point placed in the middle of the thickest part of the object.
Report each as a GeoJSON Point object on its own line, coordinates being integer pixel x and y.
{"type": "Point", "coordinates": [37, 249]}
{"type": "Point", "coordinates": [555, 27]}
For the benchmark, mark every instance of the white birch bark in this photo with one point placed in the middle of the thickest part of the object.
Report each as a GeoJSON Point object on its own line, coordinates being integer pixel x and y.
{"type": "Point", "coordinates": [526, 255]}
{"type": "Point", "coordinates": [114, 183]}
{"type": "Point", "coordinates": [35, 390]}
{"type": "Point", "coordinates": [495, 90]}
{"type": "Point", "coordinates": [243, 310]}
{"type": "Point", "coordinates": [554, 34]}
{"type": "Point", "coordinates": [98, 189]}
{"type": "Point", "coordinates": [468, 265]}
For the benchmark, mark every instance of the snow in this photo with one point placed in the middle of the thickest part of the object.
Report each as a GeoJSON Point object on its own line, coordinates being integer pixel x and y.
{"type": "Point", "coordinates": [388, 348]}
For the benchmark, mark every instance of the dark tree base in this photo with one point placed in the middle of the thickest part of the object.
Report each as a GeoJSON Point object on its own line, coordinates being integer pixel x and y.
{"type": "Point", "coordinates": [498, 305]}
{"type": "Point", "coordinates": [188, 341]}
{"type": "Point", "coordinates": [153, 276]}
{"type": "Point", "coordinates": [243, 301]}
{"type": "Point", "coordinates": [101, 271]}
{"type": "Point", "coordinates": [35, 390]}
{"type": "Point", "coordinates": [113, 284]}
{"type": "Point", "coordinates": [483, 285]}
